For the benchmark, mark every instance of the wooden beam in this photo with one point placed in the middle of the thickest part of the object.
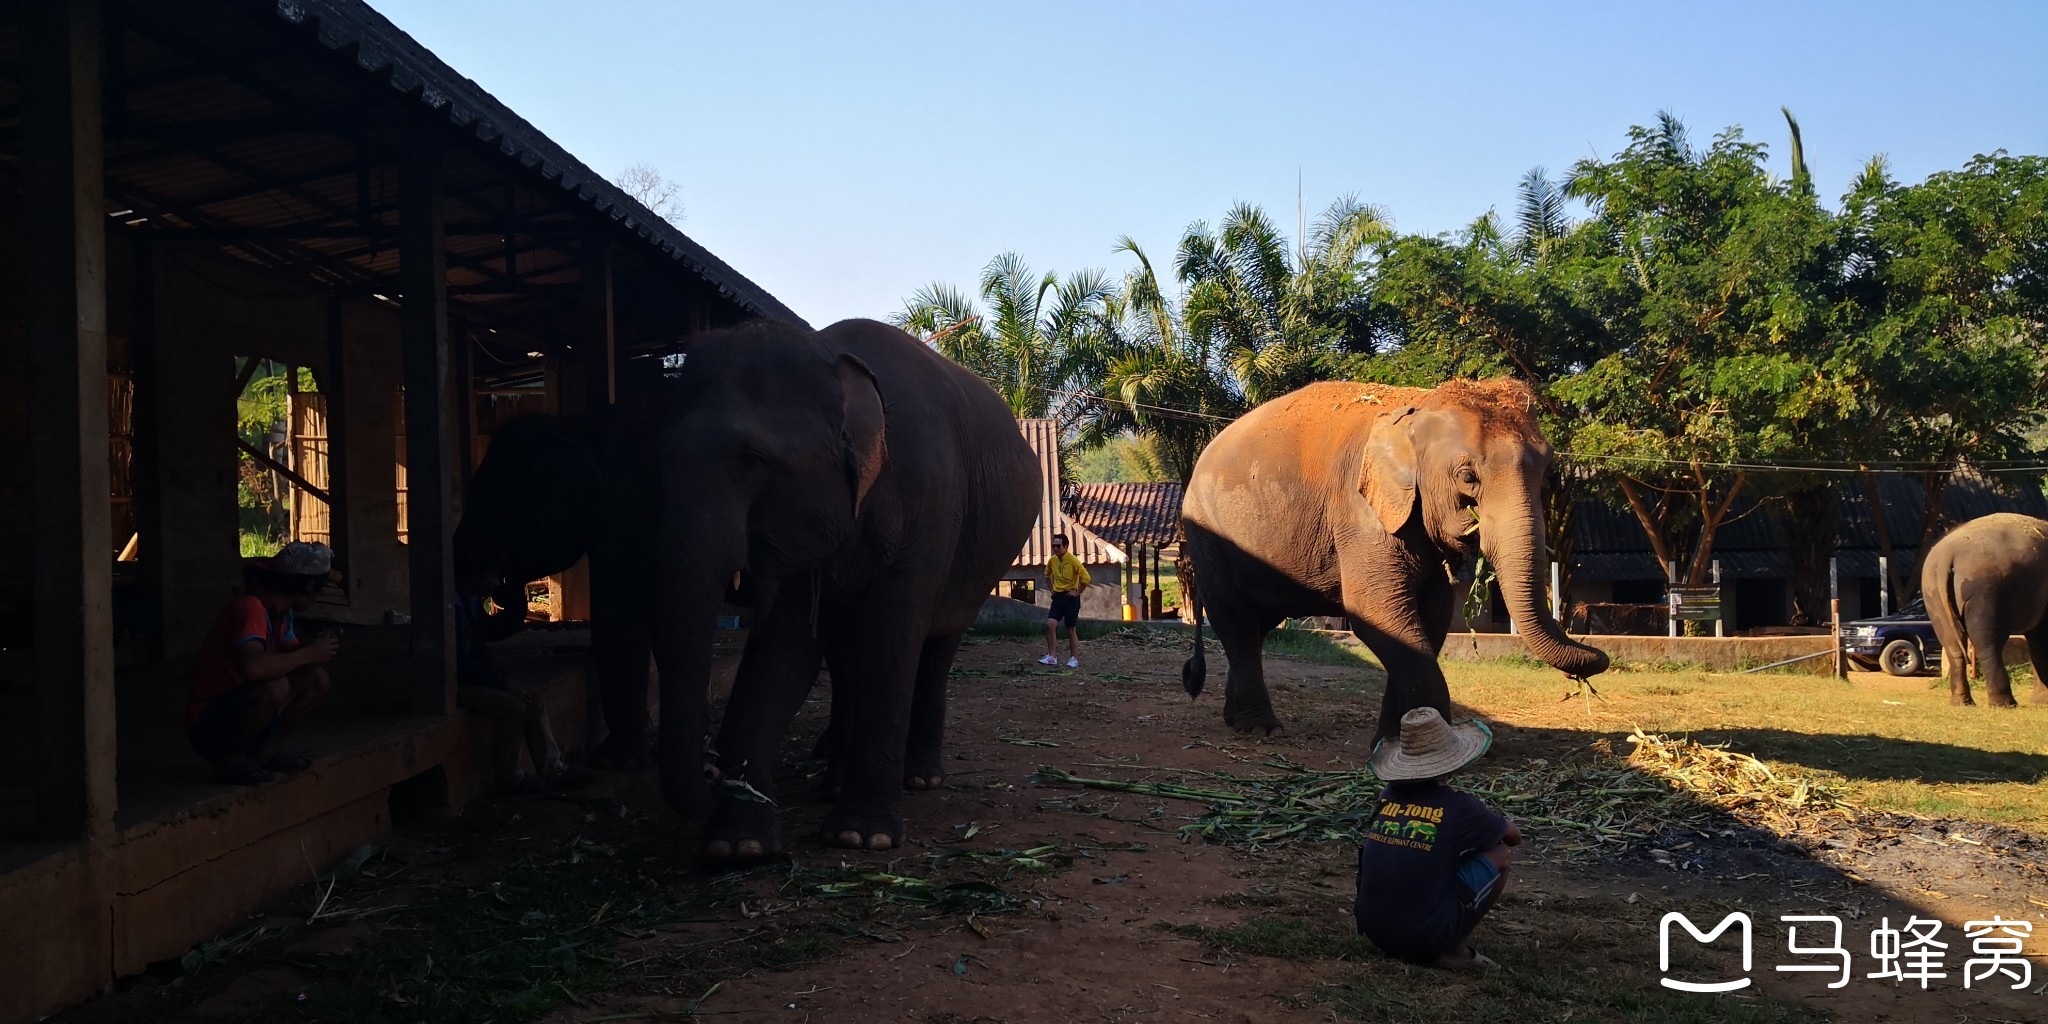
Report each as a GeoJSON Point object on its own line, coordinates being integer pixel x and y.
{"type": "Point", "coordinates": [72, 564]}
{"type": "Point", "coordinates": [286, 471]}
{"type": "Point", "coordinates": [429, 430]}
{"type": "Point", "coordinates": [596, 340]}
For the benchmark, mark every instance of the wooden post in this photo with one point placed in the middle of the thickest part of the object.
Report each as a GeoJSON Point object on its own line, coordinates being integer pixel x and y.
{"type": "Point", "coordinates": [429, 427]}
{"type": "Point", "coordinates": [595, 342]}
{"type": "Point", "coordinates": [1670, 599]}
{"type": "Point", "coordinates": [1835, 615]}
{"type": "Point", "coordinates": [66, 319]}
{"type": "Point", "coordinates": [1723, 598]}
{"type": "Point", "coordinates": [335, 387]}
{"type": "Point", "coordinates": [1884, 585]}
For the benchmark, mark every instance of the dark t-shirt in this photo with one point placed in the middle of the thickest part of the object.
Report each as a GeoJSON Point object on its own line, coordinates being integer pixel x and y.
{"type": "Point", "coordinates": [1408, 892]}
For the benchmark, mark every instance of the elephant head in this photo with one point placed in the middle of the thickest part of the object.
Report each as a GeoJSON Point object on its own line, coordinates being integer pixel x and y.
{"type": "Point", "coordinates": [765, 466]}
{"type": "Point", "coordinates": [531, 507]}
{"type": "Point", "coordinates": [1466, 467]}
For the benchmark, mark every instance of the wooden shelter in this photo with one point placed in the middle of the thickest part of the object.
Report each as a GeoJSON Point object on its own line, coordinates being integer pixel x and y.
{"type": "Point", "coordinates": [1103, 559]}
{"type": "Point", "coordinates": [188, 187]}
{"type": "Point", "coordinates": [1143, 519]}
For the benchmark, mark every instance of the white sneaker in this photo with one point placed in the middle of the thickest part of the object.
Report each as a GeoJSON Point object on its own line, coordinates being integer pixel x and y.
{"type": "Point", "coordinates": [1073, 663]}
{"type": "Point", "coordinates": [1049, 660]}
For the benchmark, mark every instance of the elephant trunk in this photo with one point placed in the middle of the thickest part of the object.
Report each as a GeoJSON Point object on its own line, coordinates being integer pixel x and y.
{"type": "Point", "coordinates": [1513, 539]}
{"type": "Point", "coordinates": [693, 581]}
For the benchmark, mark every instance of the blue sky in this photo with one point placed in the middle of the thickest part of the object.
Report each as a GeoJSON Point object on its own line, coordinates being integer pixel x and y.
{"type": "Point", "coordinates": [844, 155]}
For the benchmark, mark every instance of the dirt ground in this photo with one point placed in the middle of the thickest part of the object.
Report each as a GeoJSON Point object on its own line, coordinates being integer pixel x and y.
{"type": "Point", "coordinates": [1092, 908]}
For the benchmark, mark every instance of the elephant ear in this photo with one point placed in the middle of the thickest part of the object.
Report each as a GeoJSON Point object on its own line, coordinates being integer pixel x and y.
{"type": "Point", "coordinates": [863, 426]}
{"type": "Point", "coordinates": [1387, 475]}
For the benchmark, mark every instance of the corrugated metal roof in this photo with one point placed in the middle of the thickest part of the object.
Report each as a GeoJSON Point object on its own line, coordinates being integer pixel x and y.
{"type": "Point", "coordinates": [386, 54]}
{"type": "Point", "coordinates": [1127, 514]}
{"type": "Point", "coordinates": [1043, 437]}
{"type": "Point", "coordinates": [1609, 544]}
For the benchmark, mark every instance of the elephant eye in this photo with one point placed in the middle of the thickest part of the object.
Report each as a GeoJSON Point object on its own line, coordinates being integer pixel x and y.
{"type": "Point", "coordinates": [1466, 476]}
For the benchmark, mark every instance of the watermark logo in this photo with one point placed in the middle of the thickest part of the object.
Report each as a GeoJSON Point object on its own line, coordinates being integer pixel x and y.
{"type": "Point", "coordinates": [1912, 952]}
{"type": "Point", "coordinates": [1664, 951]}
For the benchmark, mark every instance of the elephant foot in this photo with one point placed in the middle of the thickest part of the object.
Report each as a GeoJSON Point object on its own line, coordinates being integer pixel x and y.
{"type": "Point", "coordinates": [877, 831]}
{"type": "Point", "coordinates": [1961, 700]}
{"type": "Point", "coordinates": [921, 773]}
{"type": "Point", "coordinates": [2039, 695]}
{"type": "Point", "coordinates": [620, 753]}
{"type": "Point", "coordinates": [2003, 700]}
{"type": "Point", "coordinates": [740, 831]}
{"type": "Point", "coordinates": [1264, 722]}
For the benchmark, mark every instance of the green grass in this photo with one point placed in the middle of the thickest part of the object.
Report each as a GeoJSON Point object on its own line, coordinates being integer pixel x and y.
{"type": "Point", "coordinates": [1895, 746]}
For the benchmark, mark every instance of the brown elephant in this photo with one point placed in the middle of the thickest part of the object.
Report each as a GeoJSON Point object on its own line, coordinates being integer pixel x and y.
{"type": "Point", "coordinates": [1983, 582]}
{"type": "Point", "coordinates": [1367, 501]}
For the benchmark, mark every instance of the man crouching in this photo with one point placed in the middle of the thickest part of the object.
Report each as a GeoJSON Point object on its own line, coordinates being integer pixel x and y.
{"type": "Point", "coordinates": [1435, 859]}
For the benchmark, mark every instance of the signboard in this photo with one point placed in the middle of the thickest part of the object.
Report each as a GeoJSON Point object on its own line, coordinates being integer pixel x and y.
{"type": "Point", "coordinates": [1699, 603]}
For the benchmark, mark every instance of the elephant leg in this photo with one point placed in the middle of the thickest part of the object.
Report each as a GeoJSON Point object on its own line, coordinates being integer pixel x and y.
{"type": "Point", "coordinates": [775, 675]}
{"type": "Point", "coordinates": [620, 610]}
{"type": "Point", "coordinates": [923, 767]}
{"type": "Point", "coordinates": [1414, 679]}
{"type": "Point", "coordinates": [2037, 654]}
{"type": "Point", "coordinates": [1247, 706]}
{"type": "Point", "coordinates": [1989, 646]}
{"type": "Point", "coordinates": [874, 647]}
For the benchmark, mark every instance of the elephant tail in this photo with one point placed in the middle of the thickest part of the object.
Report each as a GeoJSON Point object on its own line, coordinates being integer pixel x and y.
{"type": "Point", "coordinates": [1945, 609]}
{"type": "Point", "coordinates": [1195, 670]}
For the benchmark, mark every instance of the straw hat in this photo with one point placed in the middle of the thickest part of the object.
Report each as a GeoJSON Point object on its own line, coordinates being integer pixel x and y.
{"type": "Point", "coordinates": [1429, 746]}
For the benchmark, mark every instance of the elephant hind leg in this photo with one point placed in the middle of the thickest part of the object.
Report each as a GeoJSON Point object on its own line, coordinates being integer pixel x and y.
{"type": "Point", "coordinates": [2037, 653]}
{"type": "Point", "coordinates": [923, 755]}
{"type": "Point", "coordinates": [1989, 647]}
{"type": "Point", "coordinates": [1247, 706]}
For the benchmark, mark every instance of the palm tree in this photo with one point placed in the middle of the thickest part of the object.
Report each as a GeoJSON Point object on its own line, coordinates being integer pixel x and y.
{"type": "Point", "coordinates": [1040, 344]}
{"type": "Point", "coordinates": [1253, 322]}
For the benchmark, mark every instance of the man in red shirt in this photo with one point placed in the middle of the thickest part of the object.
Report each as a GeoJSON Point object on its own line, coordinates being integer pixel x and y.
{"type": "Point", "coordinates": [255, 679]}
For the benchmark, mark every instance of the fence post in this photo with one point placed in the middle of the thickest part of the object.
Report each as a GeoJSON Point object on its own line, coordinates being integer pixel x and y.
{"type": "Point", "coordinates": [1884, 585]}
{"type": "Point", "coordinates": [1835, 615]}
{"type": "Point", "coordinates": [1556, 598]}
{"type": "Point", "coordinates": [1670, 599]}
{"type": "Point", "coordinates": [1723, 598]}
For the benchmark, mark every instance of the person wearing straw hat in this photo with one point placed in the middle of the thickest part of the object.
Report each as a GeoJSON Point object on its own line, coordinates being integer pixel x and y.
{"type": "Point", "coordinates": [1435, 859]}
{"type": "Point", "coordinates": [255, 679]}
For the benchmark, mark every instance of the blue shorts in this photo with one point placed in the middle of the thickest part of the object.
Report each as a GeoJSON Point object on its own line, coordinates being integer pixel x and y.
{"type": "Point", "coordinates": [1065, 608]}
{"type": "Point", "coordinates": [1479, 876]}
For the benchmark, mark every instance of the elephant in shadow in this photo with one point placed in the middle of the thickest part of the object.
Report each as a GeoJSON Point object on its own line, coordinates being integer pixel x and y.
{"type": "Point", "coordinates": [1367, 501]}
{"type": "Point", "coordinates": [856, 490]}
{"type": "Point", "coordinates": [1983, 582]}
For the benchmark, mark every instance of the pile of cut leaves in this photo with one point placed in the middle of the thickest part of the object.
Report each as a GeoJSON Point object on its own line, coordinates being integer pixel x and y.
{"type": "Point", "coordinates": [1592, 798]}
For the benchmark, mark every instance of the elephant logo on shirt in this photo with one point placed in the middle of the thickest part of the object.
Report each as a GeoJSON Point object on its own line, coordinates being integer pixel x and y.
{"type": "Point", "coordinates": [1387, 826]}
{"type": "Point", "coordinates": [1420, 831]}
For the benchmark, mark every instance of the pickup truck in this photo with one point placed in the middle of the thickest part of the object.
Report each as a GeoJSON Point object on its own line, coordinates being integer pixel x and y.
{"type": "Point", "coordinates": [1902, 643]}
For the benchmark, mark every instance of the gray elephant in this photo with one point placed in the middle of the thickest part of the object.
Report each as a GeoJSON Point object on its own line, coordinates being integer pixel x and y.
{"type": "Point", "coordinates": [1983, 582]}
{"type": "Point", "coordinates": [867, 495]}
{"type": "Point", "coordinates": [1366, 501]}
{"type": "Point", "coordinates": [552, 490]}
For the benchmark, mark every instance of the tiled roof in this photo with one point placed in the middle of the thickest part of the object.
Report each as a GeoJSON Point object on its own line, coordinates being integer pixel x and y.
{"type": "Point", "coordinates": [1127, 514]}
{"type": "Point", "coordinates": [1043, 436]}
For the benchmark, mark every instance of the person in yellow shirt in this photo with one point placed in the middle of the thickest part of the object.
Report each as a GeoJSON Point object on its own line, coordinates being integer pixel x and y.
{"type": "Point", "coordinates": [1067, 576]}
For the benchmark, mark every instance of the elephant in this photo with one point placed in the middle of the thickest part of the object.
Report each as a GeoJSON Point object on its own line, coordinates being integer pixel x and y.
{"type": "Point", "coordinates": [1366, 501]}
{"type": "Point", "coordinates": [1985, 581]}
{"type": "Point", "coordinates": [866, 494]}
{"type": "Point", "coordinates": [550, 491]}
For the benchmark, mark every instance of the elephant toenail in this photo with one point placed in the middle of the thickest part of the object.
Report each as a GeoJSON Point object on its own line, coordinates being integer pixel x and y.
{"type": "Point", "coordinates": [879, 842]}
{"type": "Point", "coordinates": [850, 839]}
{"type": "Point", "coordinates": [750, 848]}
{"type": "Point", "coordinates": [718, 849]}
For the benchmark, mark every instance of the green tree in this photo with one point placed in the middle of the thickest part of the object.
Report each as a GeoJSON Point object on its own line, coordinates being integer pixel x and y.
{"type": "Point", "coordinates": [1251, 321]}
{"type": "Point", "coordinates": [1950, 282]}
{"type": "Point", "coordinates": [1042, 342]}
{"type": "Point", "coordinates": [1716, 285]}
